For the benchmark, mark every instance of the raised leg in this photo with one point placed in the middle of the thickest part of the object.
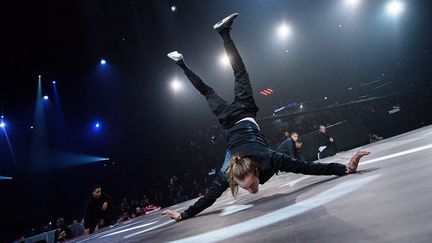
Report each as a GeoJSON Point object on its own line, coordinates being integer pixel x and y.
{"type": "Point", "coordinates": [218, 105]}
{"type": "Point", "coordinates": [242, 86]}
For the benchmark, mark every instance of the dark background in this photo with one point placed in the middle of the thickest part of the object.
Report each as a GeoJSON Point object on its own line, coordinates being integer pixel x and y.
{"type": "Point", "coordinates": [144, 123]}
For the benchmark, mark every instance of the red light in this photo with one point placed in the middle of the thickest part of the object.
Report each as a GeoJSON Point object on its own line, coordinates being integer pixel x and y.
{"type": "Point", "coordinates": [266, 92]}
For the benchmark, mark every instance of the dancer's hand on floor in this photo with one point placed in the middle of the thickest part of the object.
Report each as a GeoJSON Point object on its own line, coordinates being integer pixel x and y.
{"type": "Point", "coordinates": [172, 214]}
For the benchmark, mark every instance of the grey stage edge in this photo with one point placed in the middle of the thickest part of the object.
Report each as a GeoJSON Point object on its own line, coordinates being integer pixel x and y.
{"type": "Point", "coordinates": [390, 200]}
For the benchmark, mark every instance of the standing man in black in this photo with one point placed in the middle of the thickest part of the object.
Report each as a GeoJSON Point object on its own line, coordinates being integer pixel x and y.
{"type": "Point", "coordinates": [98, 211]}
{"type": "Point", "coordinates": [326, 144]}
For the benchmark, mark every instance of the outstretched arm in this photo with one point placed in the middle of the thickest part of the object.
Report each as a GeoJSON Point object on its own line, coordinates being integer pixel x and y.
{"type": "Point", "coordinates": [286, 163]}
{"type": "Point", "coordinates": [218, 186]}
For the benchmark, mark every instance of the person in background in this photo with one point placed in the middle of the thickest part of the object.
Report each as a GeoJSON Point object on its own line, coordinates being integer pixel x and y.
{"type": "Point", "coordinates": [326, 144]}
{"type": "Point", "coordinates": [144, 201]}
{"type": "Point", "coordinates": [62, 232]}
{"type": "Point", "coordinates": [288, 145]}
{"type": "Point", "coordinates": [124, 217]}
{"type": "Point", "coordinates": [98, 211]}
{"type": "Point", "coordinates": [298, 150]}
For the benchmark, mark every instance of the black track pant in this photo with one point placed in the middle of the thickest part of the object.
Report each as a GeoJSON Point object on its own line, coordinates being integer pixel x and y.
{"type": "Point", "coordinates": [244, 103]}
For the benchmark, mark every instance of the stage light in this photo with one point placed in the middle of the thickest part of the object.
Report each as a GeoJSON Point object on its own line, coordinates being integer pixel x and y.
{"type": "Point", "coordinates": [283, 30]}
{"type": "Point", "coordinates": [54, 82]}
{"type": "Point", "coordinates": [395, 8]}
{"type": "Point", "coordinates": [45, 97]}
{"type": "Point", "coordinates": [2, 124]}
{"type": "Point", "coordinates": [173, 8]}
{"type": "Point", "coordinates": [103, 62]}
{"type": "Point", "coordinates": [325, 98]}
{"type": "Point", "coordinates": [31, 127]}
{"type": "Point", "coordinates": [224, 60]}
{"type": "Point", "coordinates": [176, 85]}
{"type": "Point", "coordinates": [352, 3]}
{"type": "Point", "coordinates": [39, 76]}
{"type": "Point", "coordinates": [97, 125]}
{"type": "Point", "coordinates": [301, 106]}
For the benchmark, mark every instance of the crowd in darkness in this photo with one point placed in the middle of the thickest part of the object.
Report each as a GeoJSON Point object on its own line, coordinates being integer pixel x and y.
{"type": "Point", "coordinates": [167, 191]}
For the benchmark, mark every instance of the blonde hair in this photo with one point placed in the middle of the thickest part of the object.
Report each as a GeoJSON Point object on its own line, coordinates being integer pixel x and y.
{"type": "Point", "coordinates": [240, 166]}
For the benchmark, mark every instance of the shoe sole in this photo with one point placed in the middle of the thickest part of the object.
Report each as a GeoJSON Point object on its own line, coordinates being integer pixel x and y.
{"type": "Point", "coordinates": [219, 24]}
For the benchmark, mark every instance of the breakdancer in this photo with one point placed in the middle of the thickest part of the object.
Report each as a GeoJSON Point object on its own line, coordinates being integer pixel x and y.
{"type": "Point", "coordinates": [249, 161]}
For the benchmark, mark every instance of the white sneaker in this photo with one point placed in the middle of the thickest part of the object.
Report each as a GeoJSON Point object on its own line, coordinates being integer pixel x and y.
{"type": "Point", "coordinates": [225, 23]}
{"type": "Point", "coordinates": [175, 55]}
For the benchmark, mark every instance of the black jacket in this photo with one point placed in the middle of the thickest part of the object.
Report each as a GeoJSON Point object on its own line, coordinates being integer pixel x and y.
{"type": "Point", "coordinates": [93, 210]}
{"type": "Point", "coordinates": [323, 139]}
{"type": "Point", "coordinates": [247, 139]}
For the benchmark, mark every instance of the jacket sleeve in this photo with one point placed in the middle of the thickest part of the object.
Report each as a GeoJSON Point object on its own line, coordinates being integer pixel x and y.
{"type": "Point", "coordinates": [218, 186]}
{"type": "Point", "coordinates": [285, 163]}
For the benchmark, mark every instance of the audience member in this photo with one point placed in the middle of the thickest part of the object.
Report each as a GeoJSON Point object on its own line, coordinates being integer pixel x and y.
{"type": "Point", "coordinates": [98, 211]}
{"type": "Point", "coordinates": [326, 144]}
{"type": "Point", "coordinates": [62, 232]}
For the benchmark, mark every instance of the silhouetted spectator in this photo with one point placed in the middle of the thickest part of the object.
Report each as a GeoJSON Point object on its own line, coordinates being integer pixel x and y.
{"type": "Point", "coordinates": [98, 211]}
{"type": "Point", "coordinates": [124, 206]}
{"type": "Point", "coordinates": [326, 144]}
{"type": "Point", "coordinates": [144, 201]}
{"type": "Point", "coordinates": [298, 150]}
{"type": "Point", "coordinates": [124, 217]}
{"type": "Point", "coordinates": [62, 232]}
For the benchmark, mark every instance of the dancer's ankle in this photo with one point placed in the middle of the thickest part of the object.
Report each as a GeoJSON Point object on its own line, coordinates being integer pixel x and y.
{"type": "Point", "coordinates": [181, 64]}
{"type": "Point", "coordinates": [225, 34]}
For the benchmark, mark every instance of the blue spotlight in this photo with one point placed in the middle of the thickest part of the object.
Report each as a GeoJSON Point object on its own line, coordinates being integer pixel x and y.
{"type": "Point", "coordinates": [45, 97]}
{"type": "Point", "coordinates": [103, 62]}
{"type": "Point", "coordinates": [2, 124]}
{"type": "Point", "coordinates": [54, 82]}
{"type": "Point", "coordinates": [97, 125]}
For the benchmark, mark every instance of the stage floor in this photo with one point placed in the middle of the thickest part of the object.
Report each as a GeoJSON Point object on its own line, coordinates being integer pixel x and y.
{"type": "Point", "coordinates": [389, 200]}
